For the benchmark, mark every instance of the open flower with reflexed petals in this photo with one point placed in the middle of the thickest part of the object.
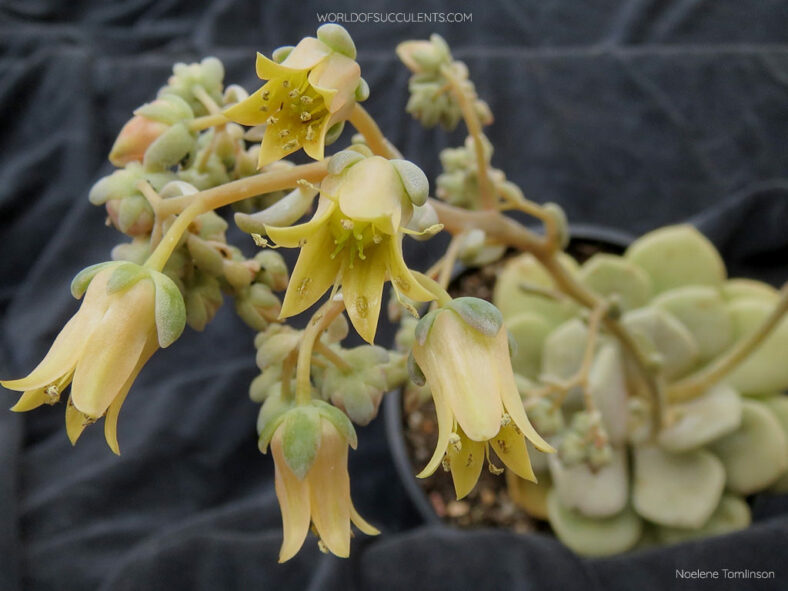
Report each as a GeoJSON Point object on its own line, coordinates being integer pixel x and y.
{"type": "Point", "coordinates": [128, 312]}
{"type": "Point", "coordinates": [313, 88]}
{"type": "Point", "coordinates": [354, 238]}
{"type": "Point", "coordinates": [463, 352]}
{"type": "Point", "coordinates": [310, 449]}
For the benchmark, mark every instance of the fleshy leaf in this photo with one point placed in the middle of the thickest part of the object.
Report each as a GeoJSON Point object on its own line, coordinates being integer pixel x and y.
{"type": "Point", "coordinates": [170, 309]}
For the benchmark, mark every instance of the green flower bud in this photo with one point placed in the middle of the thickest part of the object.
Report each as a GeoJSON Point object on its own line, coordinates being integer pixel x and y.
{"type": "Point", "coordinates": [169, 148]}
{"type": "Point", "coordinates": [273, 269]}
{"type": "Point", "coordinates": [257, 306]}
{"type": "Point", "coordinates": [203, 300]}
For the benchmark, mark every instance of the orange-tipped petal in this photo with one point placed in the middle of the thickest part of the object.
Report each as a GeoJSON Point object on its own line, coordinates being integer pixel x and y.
{"type": "Point", "coordinates": [466, 464]}
{"type": "Point", "coordinates": [362, 289]}
{"type": "Point", "coordinates": [313, 274]}
{"type": "Point", "coordinates": [510, 446]}
{"type": "Point", "coordinates": [293, 495]}
{"type": "Point", "coordinates": [329, 491]}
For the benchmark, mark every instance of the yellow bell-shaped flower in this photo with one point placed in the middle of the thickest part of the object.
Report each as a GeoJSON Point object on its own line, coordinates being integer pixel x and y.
{"type": "Point", "coordinates": [311, 479]}
{"type": "Point", "coordinates": [313, 88]}
{"type": "Point", "coordinates": [355, 238]}
{"type": "Point", "coordinates": [127, 313]}
{"type": "Point", "coordinates": [463, 352]}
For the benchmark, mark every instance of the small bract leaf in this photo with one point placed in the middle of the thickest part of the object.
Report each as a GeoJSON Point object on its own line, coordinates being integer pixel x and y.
{"type": "Point", "coordinates": [170, 309]}
{"type": "Point", "coordinates": [529, 331]}
{"type": "Point", "coordinates": [79, 284]}
{"type": "Point", "coordinates": [478, 314]}
{"type": "Point", "coordinates": [124, 276]}
{"type": "Point", "coordinates": [301, 439]}
{"type": "Point", "coordinates": [414, 180]}
{"type": "Point", "coordinates": [280, 53]}
{"type": "Point", "coordinates": [424, 325]}
{"type": "Point", "coordinates": [338, 39]}
{"type": "Point", "coordinates": [272, 413]}
{"type": "Point", "coordinates": [339, 419]}
{"type": "Point", "coordinates": [169, 148]}
{"type": "Point", "coordinates": [341, 160]}
{"type": "Point", "coordinates": [414, 371]}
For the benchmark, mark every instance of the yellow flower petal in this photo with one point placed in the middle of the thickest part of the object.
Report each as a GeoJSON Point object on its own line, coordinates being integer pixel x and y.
{"type": "Point", "coordinates": [293, 496]}
{"type": "Point", "coordinates": [30, 400]}
{"type": "Point", "coordinates": [362, 523]}
{"type": "Point", "coordinates": [372, 192]}
{"type": "Point", "coordinates": [466, 464]}
{"type": "Point", "coordinates": [445, 428]}
{"type": "Point", "coordinates": [510, 446]}
{"type": "Point", "coordinates": [111, 418]}
{"type": "Point", "coordinates": [114, 349]}
{"type": "Point", "coordinates": [315, 148]}
{"type": "Point", "coordinates": [75, 423]}
{"type": "Point", "coordinates": [69, 344]}
{"type": "Point", "coordinates": [401, 277]}
{"type": "Point", "coordinates": [362, 288]}
{"type": "Point", "coordinates": [291, 236]}
{"type": "Point", "coordinates": [313, 274]}
{"type": "Point", "coordinates": [273, 148]}
{"type": "Point", "coordinates": [458, 364]}
{"type": "Point", "coordinates": [306, 55]}
{"type": "Point", "coordinates": [329, 491]}
{"type": "Point", "coordinates": [336, 79]}
{"type": "Point", "coordinates": [511, 397]}
{"type": "Point", "coordinates": [249, 111]}
{"type": "Point", "coordinates": [35, 398]}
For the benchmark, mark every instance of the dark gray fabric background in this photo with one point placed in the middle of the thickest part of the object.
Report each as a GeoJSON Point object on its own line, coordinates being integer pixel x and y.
{"type": "Point", "coordinates": [629, 114]}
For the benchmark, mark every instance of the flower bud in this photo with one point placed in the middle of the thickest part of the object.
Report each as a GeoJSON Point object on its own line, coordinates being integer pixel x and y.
{"type": "Point", "coordinates": [203, 300]}
{"type": "Point", "coordinates": [273, 269]}
{"type": "Point", "coordinates": [131, 215]}
{"type": "Point", "coordinates": [134, 139]}
{"type": "Point", "coordinates": [257, 306]}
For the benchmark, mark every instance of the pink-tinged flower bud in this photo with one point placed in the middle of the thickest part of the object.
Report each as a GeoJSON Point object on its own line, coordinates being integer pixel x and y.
{"type": "Point", "coordinates": [135, 137]}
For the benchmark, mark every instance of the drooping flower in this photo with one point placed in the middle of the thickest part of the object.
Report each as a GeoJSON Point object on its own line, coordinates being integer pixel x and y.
{"type": "Point", "coordinates": [355, 238]}
{"type": "Point", "coordinates": [310, 449]}
{"type": "Point", "coordinates": [463, 352]}
{"type": "Point", "coordinates": [127, 313]}
{"type": "Point", "coordinates": [313, 88]}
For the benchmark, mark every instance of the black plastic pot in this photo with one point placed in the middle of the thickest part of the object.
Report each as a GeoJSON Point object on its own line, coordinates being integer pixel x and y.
{"type": "Point", "coordinates": [605, 239]}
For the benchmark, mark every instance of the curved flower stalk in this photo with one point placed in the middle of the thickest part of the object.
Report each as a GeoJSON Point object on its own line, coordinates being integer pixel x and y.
{"type": "Point", "coordinates": [128, 312]}
{"type": "Point", "coordinates": [463, 352]}
{"type": "Point", "coordinates": [355, 238]}
{"type": "Point", "coordinates": [310, 449]}
{"type": "Point", "coordinates": [314, 87]}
